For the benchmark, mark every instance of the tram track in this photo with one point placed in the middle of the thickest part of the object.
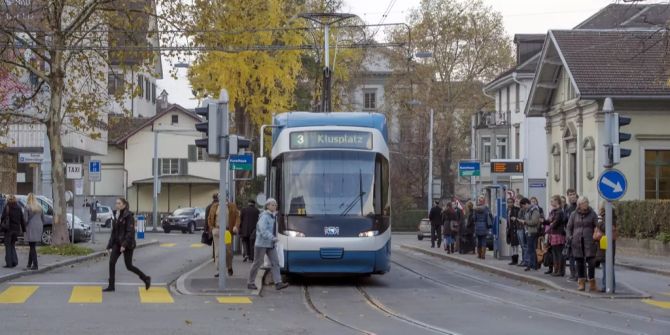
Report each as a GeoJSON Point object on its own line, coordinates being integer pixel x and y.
{"type": "Point", "coordinates": [527, 308]}
{"type": "Point", "coordinates": [311, 306]}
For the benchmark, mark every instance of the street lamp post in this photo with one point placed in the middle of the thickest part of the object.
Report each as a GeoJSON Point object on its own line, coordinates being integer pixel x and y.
{"type": "Point", "coordinates": [425, 55]}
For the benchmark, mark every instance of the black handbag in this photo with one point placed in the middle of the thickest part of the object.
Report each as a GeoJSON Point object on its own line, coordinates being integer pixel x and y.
{"type": "Point", "coordinates": [206, 238]}
{"type": "Point", "coordinates": [567, 249]}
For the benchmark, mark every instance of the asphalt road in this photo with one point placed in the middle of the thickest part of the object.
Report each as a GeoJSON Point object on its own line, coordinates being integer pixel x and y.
{"type": "Point", "coordinates": [421, 295]}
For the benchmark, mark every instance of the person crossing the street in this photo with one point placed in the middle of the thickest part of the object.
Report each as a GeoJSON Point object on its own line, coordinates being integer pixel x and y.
{"type": "Point", "coordinates": [266, 242]}
{"type": "Point", "coordinates": [248, 219]}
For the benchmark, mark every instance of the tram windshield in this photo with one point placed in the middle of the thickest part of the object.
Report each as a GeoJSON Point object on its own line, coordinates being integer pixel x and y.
{"type": "Point", "coordinates": [328, 183]}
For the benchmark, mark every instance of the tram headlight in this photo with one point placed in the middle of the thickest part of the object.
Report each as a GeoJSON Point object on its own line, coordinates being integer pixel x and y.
{"type": "Point", "coordinates": [369, 233]}
{"type": "Point", "coordinates": [293, 233]}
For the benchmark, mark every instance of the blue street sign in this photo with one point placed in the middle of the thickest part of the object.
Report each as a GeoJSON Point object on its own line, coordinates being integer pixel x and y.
{"type": "Point", "coordinates": [612, 185]}
{"type": "Point", "coordinates": [242, 162]}
{"type": "Point", "coordinates": [468, 168]}
{"type": "Point", "coordinates": [94, 167]}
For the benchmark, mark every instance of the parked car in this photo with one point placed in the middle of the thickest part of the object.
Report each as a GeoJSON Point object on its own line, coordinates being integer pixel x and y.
{"type": "Point", "coordinates": [82, 231]}
{"type": "Point", "coordinates": [47, 208]}
{"type": "Point", "coordinates": [104, 216]}
{"type": "Point", "coordinates": [188, 220]}
{"type": "Point", "coordinates": [424, 229]}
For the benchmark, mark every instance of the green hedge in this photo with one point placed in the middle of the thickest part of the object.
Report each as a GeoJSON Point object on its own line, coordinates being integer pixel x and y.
{"type": "Point", "coordinates": [644, 219]}
{"type": "Point", "coordinates": [408, 220]}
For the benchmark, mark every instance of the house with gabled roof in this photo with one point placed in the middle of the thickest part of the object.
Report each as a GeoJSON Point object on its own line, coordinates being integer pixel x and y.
{"type": "Point", "coordinates": [577, 70]}
{"type": "Point", "coordinates": [187, 176]}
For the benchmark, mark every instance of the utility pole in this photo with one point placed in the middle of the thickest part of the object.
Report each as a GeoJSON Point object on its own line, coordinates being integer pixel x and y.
{"type": "Point", "coordinates": [155, 202]}
{"type": "Point", "coordinates": [224, 183]}
{"type": "Point", "coordinates": [473, 185]}
{"type": "Point", "coordinates": [608, 109]}
{"type": "Point", "coordinates": [430, 163]}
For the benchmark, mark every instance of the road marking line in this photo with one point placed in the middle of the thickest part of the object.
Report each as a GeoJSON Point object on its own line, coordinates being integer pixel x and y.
{"type": "Point", "coordinates": [86, 295]}
{"type": "Point", "coordinates": [168, 245]}
{"type": "Point", "coordinates": [197, 245]}
{"type": "Point", "coordinates": [668, 294]}
{"type": "Point", "coordinates": [17, 294]}
{"type": "Point", "coordinates": [234, 300]}
{"type": "Point", "coordinates": [155, 295]}
{"type": "Point", "coordinates": [82, 283]}
{"type": "Point", "coordinates": [657, 303]}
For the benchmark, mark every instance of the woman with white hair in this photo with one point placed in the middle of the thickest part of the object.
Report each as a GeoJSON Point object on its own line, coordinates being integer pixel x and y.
{"type": "Point", "coordinates": [266, 239]}
{"type": "Point", "coordinates": [581, 225]}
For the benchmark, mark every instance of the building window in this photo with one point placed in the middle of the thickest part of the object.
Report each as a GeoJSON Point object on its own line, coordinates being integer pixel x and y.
{"type": "Point", "coordinates": [590, 157]}
{"type": "Point", "coordinates": [486, 149]}
{"type": "Point", "coordinates": [517, 142]}
{"type": "Point", "coordinates": [370, 100]}
{"type": "Point", "coordinates": [140, 85]}
{"type": "Point", "coordinates": [114, 84]}
{"type": "Point", "coordinates": [507, 102]}
{"type": "Point", "coordinates": [169, 166]}
{"type": "Point", "coordinates": [656, 174]}
{"type": "Point", "coordinates": [201, 154]}
{"type": "Point", "coordinates": [517, 93]}
{"type": "Point", "coordinates": [153, 93]}
{"type": "Point", "coordinates": [556, 156]}
{"type": "Point", "coordinates": [147, 90]}
{"type": "Point", "coordinates": [175, 119]}
{"type": "Point", "coordinates": [501, 147]}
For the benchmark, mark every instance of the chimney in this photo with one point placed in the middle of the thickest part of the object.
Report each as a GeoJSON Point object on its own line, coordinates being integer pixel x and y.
{"type": "Point", "coordinates": [527, 46]}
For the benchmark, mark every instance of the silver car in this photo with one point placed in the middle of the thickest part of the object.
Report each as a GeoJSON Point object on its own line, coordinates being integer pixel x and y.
{"type": "Point", "coordinates": [424, 229]}
{"type": "Point", "coordinates": [104, 216]}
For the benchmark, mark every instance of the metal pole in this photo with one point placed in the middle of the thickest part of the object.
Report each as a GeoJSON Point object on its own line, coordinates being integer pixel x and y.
{"type": "Point", "coordinates": [473, 184]}
{"type": "Point", "coordinates": [155, 202]}
{"type": "Point", "coordinates": [96, 216]}
{"type": "Point", "coordinates": [430, 164]}
{"type": "Point", "coordinates": [608, 109]}
{"type": "Point", "coordinates": [224, 182]}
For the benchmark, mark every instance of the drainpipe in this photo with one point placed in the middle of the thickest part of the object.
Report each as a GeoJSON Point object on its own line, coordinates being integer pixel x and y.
{"type": "Point", "coordinates": [525, 143]}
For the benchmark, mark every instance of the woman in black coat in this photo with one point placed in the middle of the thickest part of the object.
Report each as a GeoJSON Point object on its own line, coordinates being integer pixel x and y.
{"type": "Point", "coordinates": [13, 224]}
{"type": "Point", "coordinates": [512, 226]}
{"type": "Point", "coordinates": [122, 241]}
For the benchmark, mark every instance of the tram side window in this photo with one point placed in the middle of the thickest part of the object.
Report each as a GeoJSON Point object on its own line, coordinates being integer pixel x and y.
{"type": "Point", "coordinates": [381, 190]}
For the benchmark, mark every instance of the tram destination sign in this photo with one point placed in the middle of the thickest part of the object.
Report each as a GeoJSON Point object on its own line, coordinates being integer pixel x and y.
{"type": "Point", "coordinates": [331, 139]}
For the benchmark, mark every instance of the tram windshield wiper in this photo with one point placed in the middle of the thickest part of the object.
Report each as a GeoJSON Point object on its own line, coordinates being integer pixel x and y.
{"type": "Point", "coordinates": [359, 196]}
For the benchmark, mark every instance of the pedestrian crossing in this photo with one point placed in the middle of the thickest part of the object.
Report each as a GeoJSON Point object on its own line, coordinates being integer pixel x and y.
{"type": "Point", "coordinates": [92, 294]}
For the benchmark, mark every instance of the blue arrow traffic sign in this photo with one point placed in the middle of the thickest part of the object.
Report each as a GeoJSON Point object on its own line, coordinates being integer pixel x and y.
{"type": "Point", "coordinates": [612, 185]}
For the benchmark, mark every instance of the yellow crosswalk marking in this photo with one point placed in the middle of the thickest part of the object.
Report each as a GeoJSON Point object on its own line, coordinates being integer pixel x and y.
{"type": "Point", "coordinates": [234, 300]}
{"type": "Point", "coordinates": [155, 295]}
{"type": "Point", "coordinates": [657, 303]}
{"type": "Point", "coordinates": [86, 295]}
{"type": "Point", "coordinates": [168, 245]}
{"type": "Point", "coordinates": [17, 294]}
{"type": "Point", "coordinates": [197, 245]}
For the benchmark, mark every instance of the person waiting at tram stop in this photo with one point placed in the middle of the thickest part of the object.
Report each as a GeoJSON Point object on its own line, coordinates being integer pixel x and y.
{"type": "Point", "coordinates": [580, 232]}
{"type": "Point", "coordinates": [531, 222]}
{"type": "Point", "coordinates": [266, 242]}
{"type": "Point", "coordinates": [435, 217]}
{"type": "Point", "coordinates": [483, 221]}
{"type": "Point", "coordinates": [451, 223]}
{"type": "Point", "coordinates": [512, 226]}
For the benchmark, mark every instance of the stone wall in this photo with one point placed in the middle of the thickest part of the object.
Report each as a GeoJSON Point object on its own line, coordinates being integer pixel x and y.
{"type": "Point", "coordinates": [7, 173]}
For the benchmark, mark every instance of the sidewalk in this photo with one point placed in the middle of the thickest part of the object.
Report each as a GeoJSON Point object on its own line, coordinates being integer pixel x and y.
{"type": "Point", "coordinates": [652, 264]}
{"type": "Point", "coordinates": [201, 281]}
{"type": "Point", "coordinates": [50, 262]}
{"type": "Point", "coordinates": [501, 267]}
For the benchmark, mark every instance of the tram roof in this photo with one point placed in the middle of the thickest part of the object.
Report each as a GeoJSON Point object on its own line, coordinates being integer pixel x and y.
{"type": "Point", "coordinates": [344, 119]}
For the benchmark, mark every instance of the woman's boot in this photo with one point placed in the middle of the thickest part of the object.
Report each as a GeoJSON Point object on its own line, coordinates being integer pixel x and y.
{"type": "Point", "coordinates": [592, 285]}
{"type": "Point", "coordinates": [515, 260]}
{"type": "Point", "coordinates": [581, 282]}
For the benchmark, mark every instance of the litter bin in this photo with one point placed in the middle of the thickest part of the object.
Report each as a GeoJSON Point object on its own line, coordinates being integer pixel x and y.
{"type": "Point", "coordinates": [139, 227]}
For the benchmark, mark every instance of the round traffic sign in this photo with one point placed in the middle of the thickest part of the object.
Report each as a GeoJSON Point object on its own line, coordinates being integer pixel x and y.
{"type": "Point", "coordinates": [612, 184]}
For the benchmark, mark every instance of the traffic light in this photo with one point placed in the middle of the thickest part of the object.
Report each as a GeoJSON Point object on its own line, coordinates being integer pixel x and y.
{"type": "Point", "coordinates": [618, 137]}
{"type": "Point", "coordinates": [236, 142]}
{"type": "Point", "coordinates": [210, 127]}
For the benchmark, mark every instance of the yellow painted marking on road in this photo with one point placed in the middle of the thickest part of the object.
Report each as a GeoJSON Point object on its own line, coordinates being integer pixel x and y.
{"type": "Point", "coordinates": [197, 245]}
{"type": "Point", "coordinates": [155, 295]}
{"type": "Point", "coordinates": [17, 294]}
{"type": "Point", "coordinates": [668, 294]}
{"type": "Point", "coordinates": [168, 245]}
{"type": "Point", "coordinates": [234, 300]}
{"type": "Point", "coordinates": [657, 303]}
{"type": "Point", "coordinates": [86, 295]}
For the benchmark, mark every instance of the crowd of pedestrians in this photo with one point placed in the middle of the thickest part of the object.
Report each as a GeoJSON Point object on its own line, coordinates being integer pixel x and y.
{"type": "Point", "coordinates": [568, 235]}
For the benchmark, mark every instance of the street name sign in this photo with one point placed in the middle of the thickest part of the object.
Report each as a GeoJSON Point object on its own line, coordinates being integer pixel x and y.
{"type": "Point", "coordinates": [612, 185]}
{"type": "Point", "coordinates": [243, 162]}
{"type": "Point", "coordinates": [94, 170]}
{"type": "Point", "coordinates": [469, 168]}
{"type": "Point", "coordinates": [73, 171]}
{"type": "Point", "coordinates": [30, 157]}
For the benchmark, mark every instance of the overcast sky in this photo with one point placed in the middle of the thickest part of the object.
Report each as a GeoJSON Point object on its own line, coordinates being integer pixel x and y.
{"type": "Point", "coordinates": [520, 16]}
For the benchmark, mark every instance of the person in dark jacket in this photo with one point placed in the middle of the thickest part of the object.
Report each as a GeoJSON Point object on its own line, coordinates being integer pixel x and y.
{"type": "Point", "coordinates": [248, 220]}
{"type": "Point", "coordinates": [483, 220]}
{"type": "Point", "coordinates": [556, 233]}
{"type": "Point", "coordinates": [122, 241]}
{"type": "Point", "coordinates": [450, 224]}
{"type": "Point", "coordinates": [571, 207]}
{"type": "Point", "coordinates": [215, 200]}
{"type": "Point", "coordinates": [512, 226]}
{"type": "Point", "coordinates": [467, 230]}
{"type": "Point", "coordinates": [531, 222]}
{"type": "Point", "coordinates": [13, 224]}
{"type": "Point", "coordinates": [435, 217]}
{"type": "Point", "coordinates": [581, 225]}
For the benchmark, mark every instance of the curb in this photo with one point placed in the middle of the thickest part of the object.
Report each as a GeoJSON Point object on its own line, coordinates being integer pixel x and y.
{"type": "Point", "coordinates": [644, 269]}
{"type": "Point", "coordinates": [524, 278]}
{"type": "Point", "coordinates": [67, 262]}
{"type": "Point", "coordinates": [180, 284]}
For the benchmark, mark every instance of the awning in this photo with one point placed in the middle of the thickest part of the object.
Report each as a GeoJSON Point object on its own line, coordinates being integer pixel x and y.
{"type": "Point", "coordinates": [187, 179]}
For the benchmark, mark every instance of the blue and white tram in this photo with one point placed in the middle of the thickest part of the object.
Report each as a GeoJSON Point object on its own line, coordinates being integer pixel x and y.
{"type": "Point", "coordinates": [330, 175]}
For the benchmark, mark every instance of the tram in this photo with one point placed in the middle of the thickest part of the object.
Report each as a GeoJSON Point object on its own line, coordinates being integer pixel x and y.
{"type": "Point", "coordinates": [330, 175]}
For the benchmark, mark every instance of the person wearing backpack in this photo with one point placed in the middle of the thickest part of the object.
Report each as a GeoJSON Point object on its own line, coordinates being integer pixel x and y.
{"type": "Point", "coordinates": [532, 222]}
{"type": "Point", "coordinates": [483, 221]}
